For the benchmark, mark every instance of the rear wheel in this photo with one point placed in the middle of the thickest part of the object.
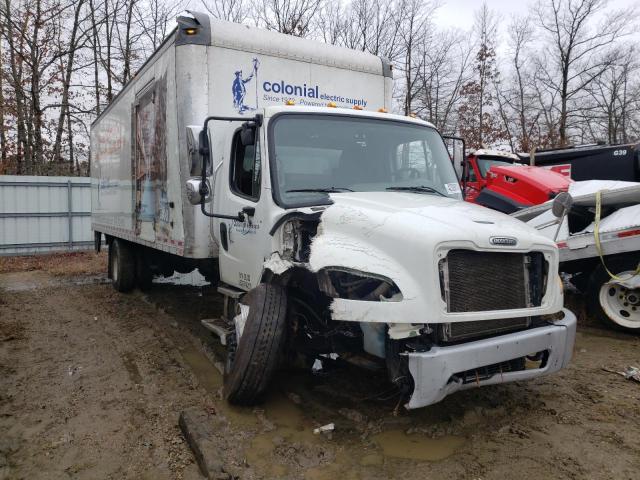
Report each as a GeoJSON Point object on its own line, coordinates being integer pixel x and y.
{"type": "Point", "coordinates": [122, 265]}
{"type": "Point", "coordinates": [254, 352]}
{"type": "Point", "coordinates": [617, 305]}
{"type": "Point", "coordinates": [144, 275]}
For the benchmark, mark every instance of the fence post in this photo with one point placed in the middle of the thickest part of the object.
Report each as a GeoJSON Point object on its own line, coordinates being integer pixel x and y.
{"type": "Point", "coordinates": [69, 211]}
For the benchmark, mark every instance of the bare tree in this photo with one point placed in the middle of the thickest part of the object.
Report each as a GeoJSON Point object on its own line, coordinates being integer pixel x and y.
{"type": "Point", "coordinates": [516, 98]}
{"type": "Point", "coordinates": [293, 17]}
{"type": "Point", "coordinates": [230, 10]}
{"type": "Point", "coordinates": [477, 119]}
{"type": "Point", "coordinates": [572, 55]}
{"type": "Point", "coordinates": [444, 69]}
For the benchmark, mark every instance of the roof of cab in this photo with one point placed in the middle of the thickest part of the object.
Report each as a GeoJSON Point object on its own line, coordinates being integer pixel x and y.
{"type": "Point", "coordinates": [273, 110]}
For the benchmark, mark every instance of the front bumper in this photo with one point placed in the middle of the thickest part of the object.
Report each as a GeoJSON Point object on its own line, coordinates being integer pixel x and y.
{"type": "Point", "coordinates": [433, 371]}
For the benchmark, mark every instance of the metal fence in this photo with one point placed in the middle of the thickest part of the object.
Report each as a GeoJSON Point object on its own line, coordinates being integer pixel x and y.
{"type": "Point", "coordinates": [44, 214]}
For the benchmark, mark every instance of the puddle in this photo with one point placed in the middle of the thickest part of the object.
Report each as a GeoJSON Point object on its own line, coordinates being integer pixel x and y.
{"type": "Point", "coordinates": [279, 420]}
{"type": "Point", "coordinates": [396, 443]}
{"type": "Point", "coordinates": [284, 441]}
{"type": "Point", "coordinates": [25, 281]}
{"type": "Point", "coordinates": [211, 380]}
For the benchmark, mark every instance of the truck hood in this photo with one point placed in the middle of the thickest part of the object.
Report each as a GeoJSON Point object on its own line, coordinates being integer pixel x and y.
{"type": "Point", "coordinates": [540, 178]}
{"type": "Point", "coordinates": [403, 236]}
{"type": "Point", "coordinates": [434, 219]}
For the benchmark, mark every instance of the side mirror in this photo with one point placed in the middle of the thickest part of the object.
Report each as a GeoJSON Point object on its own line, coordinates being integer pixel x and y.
{"type": "Point", "coordinates": [248, 134]}
{"type": "Point", "coordinates": [561, 205]}
{"type": "Point", "coordinates": [195, 191]}
{"type": "Point", "coordinates": [195, 139]}
{"type": "Point", "coordinates": [203, 148]}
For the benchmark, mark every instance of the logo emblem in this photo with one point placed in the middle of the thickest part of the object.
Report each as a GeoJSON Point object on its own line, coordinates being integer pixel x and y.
{"type": "Point", "coordinates": [239, 89]}
{"type": "Point", "coordinates": [503, 241]}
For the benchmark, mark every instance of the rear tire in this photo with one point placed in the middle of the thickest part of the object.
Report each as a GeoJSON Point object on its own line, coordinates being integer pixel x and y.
{"type": "Point", "coordinates": [616, 306]}
{"type": "Point", "coordinates": [122, 265]}
{"type": "Point", "coordinates": [253, 361]}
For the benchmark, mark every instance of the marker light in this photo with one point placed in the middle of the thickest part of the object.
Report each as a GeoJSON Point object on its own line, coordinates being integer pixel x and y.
{"type": "Point", "coordinates": [191, 31]}
{"type": "Point", "coordinates": [331, 105]}
{"type": "Point", "coordinates": [413, 115]}
{"type": "Point", "coordinates": [382, 110]}
{"type": "Point", "coordinates": [289, 103]}
{"type": "Point", "coordinates": [357, 107]}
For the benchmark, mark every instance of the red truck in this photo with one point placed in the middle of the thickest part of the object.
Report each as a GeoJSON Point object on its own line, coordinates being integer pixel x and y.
{"type": "Point", "coordinates": [499, 181]}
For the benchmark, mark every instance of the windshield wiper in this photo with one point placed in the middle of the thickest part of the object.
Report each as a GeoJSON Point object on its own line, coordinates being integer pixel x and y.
{"type": "Point", "coordinates": [417, 189]}
{"type": "Point", "coordinates": [321, 190]}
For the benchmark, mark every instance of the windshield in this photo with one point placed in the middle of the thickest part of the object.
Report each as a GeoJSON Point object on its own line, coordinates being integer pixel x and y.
{"type": "Point", "coordinates": [317, 155]}
{"type": "Point", "coordinates": [484, 164]}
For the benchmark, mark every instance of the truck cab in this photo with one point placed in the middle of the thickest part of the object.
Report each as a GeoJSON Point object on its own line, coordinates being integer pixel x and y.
{"type": "Point", "coordinates": [348, 231]}
{"type": "Point", "coordinates": [497, 180]}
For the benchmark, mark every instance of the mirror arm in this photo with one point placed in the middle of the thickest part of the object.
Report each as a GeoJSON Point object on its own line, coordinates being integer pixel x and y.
{"type": "Point", "coordinates": [464, 161]}
{"type": "Point", "coordinates": [206, 152]}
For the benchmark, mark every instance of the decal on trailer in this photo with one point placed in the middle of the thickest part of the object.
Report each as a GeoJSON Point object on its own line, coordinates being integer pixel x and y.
{"type": "Point", "coordinates": [278, 90]}
{"type": "Point", "coordinates": [239, 89]}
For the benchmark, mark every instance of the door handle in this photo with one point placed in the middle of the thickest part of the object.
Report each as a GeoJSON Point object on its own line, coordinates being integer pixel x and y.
{"type": "Point", "coordinates": [248, 211]}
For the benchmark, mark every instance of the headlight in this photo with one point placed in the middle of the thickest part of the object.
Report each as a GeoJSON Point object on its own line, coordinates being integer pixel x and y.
{"type": "Point", "coordinates": [288, 240]}
{"type": "Point", "coordinates": [350, 284]}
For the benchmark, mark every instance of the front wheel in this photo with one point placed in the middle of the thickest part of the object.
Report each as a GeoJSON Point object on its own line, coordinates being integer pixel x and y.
{"type": "Point", "coordinates": [617, 305]}
{"type": "Point", "coordinates": [254, 352]}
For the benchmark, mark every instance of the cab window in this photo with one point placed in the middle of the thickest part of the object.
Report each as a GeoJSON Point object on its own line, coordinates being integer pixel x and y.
{"type": "Point", "coordinates": [245, 168]}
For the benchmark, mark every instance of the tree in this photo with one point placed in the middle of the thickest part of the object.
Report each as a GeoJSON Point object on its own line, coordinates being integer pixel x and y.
{"type": "Point", "coordinates": [230, 10]}
{"type": "Point", "coordinates": [293, 17]}
{"type": "Point", "coordinates": [478, 123]}
{"type": "Point", "coordinates": [572, 56]}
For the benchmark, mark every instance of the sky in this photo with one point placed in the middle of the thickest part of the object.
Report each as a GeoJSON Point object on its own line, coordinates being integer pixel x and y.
{"type": "Point", "coordinates": [460, 13]}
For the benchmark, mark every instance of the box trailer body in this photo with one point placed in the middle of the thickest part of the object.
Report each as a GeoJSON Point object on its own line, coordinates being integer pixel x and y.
{"type": "Point", "coordinates": [139, 180]}
{"type": "Point", "coordinates": [330, 226]}
{"type": "Point", "coordinates": [591, 162]}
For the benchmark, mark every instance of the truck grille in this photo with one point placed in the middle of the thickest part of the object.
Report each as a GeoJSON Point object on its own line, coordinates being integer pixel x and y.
{"type": "Point", "coordinates": [480, 281]}
{"type": "Point", "coordinates": [453, 332]}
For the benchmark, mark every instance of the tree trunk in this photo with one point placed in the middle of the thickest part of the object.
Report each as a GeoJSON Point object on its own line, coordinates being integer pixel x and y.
{"type": "Point", "coordinates": [66, 83]}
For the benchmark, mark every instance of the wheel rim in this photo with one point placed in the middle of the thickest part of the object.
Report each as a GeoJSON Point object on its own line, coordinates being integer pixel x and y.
{"type": "Point", "coordinates": [621, 304]}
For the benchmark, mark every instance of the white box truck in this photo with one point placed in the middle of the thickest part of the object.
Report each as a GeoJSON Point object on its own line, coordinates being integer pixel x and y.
{"type": "Point", "coordinates": [330, 226]}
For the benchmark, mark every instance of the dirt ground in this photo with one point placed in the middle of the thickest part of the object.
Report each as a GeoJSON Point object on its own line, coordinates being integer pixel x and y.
{"type": "Point", "coordinates": [92, 383]}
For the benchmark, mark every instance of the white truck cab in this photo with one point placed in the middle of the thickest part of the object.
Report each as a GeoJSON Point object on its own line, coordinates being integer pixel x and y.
{"type": "Point", "coordinates": [331, 226]}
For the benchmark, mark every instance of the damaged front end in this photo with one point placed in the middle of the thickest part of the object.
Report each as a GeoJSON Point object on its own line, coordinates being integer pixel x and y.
{"type": "Point", "coordinates": [439, 315]}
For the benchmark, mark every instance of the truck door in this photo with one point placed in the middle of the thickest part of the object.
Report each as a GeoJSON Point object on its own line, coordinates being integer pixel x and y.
{"type": "Point", "coordinates": [242, 244]}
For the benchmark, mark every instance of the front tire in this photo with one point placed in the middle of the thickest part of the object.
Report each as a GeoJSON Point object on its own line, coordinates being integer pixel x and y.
{"type": "Point", "coordinates": [253, 361]}
{"type": "Point", "coordinates": [616, 306]}
{"type": "Point", "coordinates": [122, 265]}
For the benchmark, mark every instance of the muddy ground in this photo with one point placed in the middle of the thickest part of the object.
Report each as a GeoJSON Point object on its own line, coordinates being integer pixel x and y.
{"type": "Point", "coordinates": [92, 383]}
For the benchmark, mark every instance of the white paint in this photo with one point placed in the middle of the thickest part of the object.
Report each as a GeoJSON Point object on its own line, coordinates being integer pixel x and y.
{"type": "Point", "coordinates": [402, 236]}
